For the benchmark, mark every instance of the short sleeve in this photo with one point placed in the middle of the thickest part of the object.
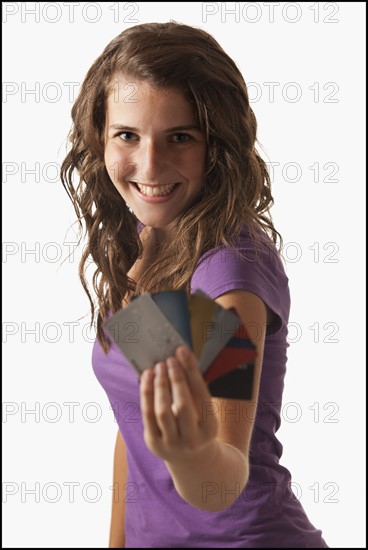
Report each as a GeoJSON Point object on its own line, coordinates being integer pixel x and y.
{"type": "Point", "coordinates": [257, 269]}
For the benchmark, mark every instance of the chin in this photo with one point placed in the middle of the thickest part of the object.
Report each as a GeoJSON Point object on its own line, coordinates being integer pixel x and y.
{"type": "Point", "coordinates": [156, 224]}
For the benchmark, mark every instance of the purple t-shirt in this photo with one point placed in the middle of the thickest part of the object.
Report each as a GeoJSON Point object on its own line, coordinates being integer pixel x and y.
{"type": "Point", "coordinates": [266, 513]}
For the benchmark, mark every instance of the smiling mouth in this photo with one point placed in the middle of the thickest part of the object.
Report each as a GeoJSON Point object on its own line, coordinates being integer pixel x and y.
{"type": "Point", "coordinates": [157, 190]}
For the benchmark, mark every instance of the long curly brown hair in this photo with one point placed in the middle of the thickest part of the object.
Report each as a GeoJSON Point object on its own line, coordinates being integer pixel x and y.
{"type": "Point", "coordinates": [237, 186]}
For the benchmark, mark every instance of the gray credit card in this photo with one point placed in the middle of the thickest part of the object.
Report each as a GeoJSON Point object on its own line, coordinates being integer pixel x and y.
{"type": "Point", "coordinates": [143, 333]}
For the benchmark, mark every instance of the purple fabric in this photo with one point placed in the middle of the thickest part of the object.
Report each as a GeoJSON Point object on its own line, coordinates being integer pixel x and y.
{"type": "Point", "coordinates": [267, 514]}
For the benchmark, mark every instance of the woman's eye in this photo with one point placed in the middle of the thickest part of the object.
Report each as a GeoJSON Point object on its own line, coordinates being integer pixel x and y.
{"type": "Point", "coordinates": [127, 136]}
{"type": "Point", "coordinates": [181, 138]}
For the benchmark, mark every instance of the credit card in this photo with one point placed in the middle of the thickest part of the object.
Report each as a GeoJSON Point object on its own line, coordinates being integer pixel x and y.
{"type": "Point", "coordinates": [174, 305]}
{"type": "Point", "coordinates": [236, 384]}
{"type": "Point", "coordinates": [219, 331]}
{"type": "Point", "coordinates": [231, 374]}
{"type": "Point", "coordinates": [202, 308]}
{"type": "Point", "coordinates": [143, 333]}
{"type": "Point", "coordinates": [237, 352]}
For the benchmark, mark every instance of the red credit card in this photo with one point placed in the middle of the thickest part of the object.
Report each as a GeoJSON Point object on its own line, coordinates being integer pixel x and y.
{"type": "Point", "coordinates": [231, 373]}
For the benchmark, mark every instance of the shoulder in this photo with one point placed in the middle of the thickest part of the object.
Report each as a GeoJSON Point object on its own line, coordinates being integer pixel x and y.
{"type": "Point", "coordinates": [253, 266]}
{"type": "Point", "coordinates": [247, 249]}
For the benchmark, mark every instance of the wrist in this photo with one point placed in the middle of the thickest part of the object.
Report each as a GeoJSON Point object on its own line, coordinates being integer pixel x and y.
{"type": "Point", "coordinates": [192, 459]}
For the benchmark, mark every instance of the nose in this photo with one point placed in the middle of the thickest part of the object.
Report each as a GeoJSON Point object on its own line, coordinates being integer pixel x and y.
{"type": "Point", "coordinates": [152, 162]}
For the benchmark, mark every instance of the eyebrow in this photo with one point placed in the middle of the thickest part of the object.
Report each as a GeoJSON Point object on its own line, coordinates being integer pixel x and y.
{"type": "Point", "coordinates": [174, 129]}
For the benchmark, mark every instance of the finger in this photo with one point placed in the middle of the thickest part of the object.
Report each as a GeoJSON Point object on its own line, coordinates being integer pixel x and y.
{"type": "Point", "coordinates": [162, 404]}
{"type": "Point", "coordinates": [196, 382]}
{"type": "Point", "coordinates": [186, 413]}
{"type": "Point", "coordinates": [146, 390]}
{"type": "Point", "coordinates": [198, 387]}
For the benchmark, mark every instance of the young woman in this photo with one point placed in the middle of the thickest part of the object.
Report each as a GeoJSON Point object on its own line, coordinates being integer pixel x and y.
{"type": "Point", "coordinates": [171, 190]}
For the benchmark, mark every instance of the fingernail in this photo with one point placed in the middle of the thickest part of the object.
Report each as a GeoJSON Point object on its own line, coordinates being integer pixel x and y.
{"type": "Point", "coordinates": [144, 376]}
{"type": "Point", "coordinates": [184, 352]}
{"type": "Point", "coordinates": [159, 368]}
{"type": "Point", "coordinates": [171, 362]}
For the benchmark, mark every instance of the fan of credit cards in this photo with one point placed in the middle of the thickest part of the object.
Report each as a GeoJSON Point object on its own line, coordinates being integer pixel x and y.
{"type": "Point", "coordinates": [153, 325]}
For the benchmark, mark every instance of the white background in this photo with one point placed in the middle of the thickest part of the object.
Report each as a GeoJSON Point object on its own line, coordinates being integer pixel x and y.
{"type": "Point", "coordinates": [317, 47]}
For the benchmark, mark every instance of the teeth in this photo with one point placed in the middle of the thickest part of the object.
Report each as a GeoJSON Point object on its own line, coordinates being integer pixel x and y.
{"type": "Point", "coordinates": [156, 191]}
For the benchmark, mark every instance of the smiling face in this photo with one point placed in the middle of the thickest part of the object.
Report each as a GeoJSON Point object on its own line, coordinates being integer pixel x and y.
{"type": "Point", "coordinates": [154, 151]}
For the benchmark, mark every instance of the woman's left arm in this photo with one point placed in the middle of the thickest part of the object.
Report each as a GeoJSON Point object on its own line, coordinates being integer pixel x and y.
{"type": "Point", "coordinates": [204, 440]}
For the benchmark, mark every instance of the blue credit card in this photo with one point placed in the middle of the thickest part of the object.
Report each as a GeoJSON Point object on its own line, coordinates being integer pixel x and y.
{"type": "Point", "coordinates": [174, 305]}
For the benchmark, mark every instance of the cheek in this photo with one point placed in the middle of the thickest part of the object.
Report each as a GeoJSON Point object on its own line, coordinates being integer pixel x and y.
{"type": "Point", "coordinates": [116, 163]}
{"type": "Point", "coordinates": [111, 160]}
{"type": "Point", "coordinates": [196, 165]}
